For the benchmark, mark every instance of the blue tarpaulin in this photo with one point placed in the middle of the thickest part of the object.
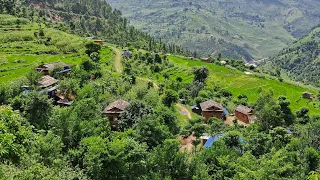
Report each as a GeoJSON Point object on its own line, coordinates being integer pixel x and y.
{"type": "Point", "coordinates": [215, 138]}
{"type": "Point", "coordinates": [225, 112]}
{"type": "Point", "coordinates": [63, 71]}
{"type": "Point", "coordinates": [211, 140]}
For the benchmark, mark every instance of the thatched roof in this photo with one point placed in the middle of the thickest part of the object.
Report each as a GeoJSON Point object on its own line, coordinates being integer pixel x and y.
{"type": "Point", "coordinates": [208, 105]}
{"type": "Point", "coordinates": [307, 93]}
{"type": "Point", "coordinates": [116, 106]}
{"type": "Point", "coordinates": [244, 110]}
{"type": "Point", "coordinates": [47, 81]}
{"type": "Point", "coordinates": [52, 66]}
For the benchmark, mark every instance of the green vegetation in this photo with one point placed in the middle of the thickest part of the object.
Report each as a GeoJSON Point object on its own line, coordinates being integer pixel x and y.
{"type": "Point", "coordinates": [236, 29]}
{"type": "Point", "coordinates": [65, 131]}
{"type": "Point", "coordinates": [251, 85]}
{"type": "Point", "coordinates": [300, 61]}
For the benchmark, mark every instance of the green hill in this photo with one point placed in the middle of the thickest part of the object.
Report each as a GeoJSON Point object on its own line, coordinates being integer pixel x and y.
{"type": "Point", "coordinates": [239, 83]}
{"type": "Point", "coordinates": [237, 29]}
{"type": "Point", "coordinates": [121, 117]}
{"type": "Point", "coordinates": [23, 45]}
{"type": "Point", "coordinates": [301, 60]}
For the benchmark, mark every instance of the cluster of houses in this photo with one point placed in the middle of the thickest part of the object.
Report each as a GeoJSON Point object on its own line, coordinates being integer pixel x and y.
{"type": "Point", "coordinates": [209, 60]}
{"type": "Point", "coordinates": [208, 110]}
{"type": "Point", "coordinates": [211, 109]}
{"type": "Point", "coordinates": [49, 84]}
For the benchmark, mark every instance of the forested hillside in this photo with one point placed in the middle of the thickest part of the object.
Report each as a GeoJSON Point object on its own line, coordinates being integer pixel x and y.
{"type": "Point", "coordinates": [72, 108]}
{"type": "Point", "coordinates": [244, 29]}
{"type": "Point", "coordinates": [301, 60]}
{"type": "Point", "coordinates": [93, 18]}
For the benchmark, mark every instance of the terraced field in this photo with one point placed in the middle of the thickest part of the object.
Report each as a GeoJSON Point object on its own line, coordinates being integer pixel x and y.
{"type": "Point", "coordinates": [239, 83]}
{"type": "Point", "coordinates": [24, 45]}
{"type": "Point", "coordinates": [19, 65]}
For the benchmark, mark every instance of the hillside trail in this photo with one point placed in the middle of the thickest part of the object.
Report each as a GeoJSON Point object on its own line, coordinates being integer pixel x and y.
{"type": "Point", "coordinates": [117, 60]}
{"type": "Point", "coordinates": [184, 110]}
{"type": "Point", "coordinates": [149, 80]}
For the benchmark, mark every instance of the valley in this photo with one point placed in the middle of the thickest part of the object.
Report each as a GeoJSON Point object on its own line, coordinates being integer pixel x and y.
{"type": "Point", "coordinates": [85, 95]}
{"type": "Point", "coordinates": [246, 29]}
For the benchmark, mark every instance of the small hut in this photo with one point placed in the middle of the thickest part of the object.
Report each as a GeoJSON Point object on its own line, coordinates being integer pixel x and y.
{"type": "Point", "coordinates": [47, 81]}
{"type": "Point", "coordinates": [211, 109]}
{"type": "Point", "coordinates": [307, 95]}
{"type": "Point", "coordinates": [46, 68]}
{"type": "Point", "coordinates": [245, 114]}
{"type": "Point", "coordinates": [113, 111]}
{"type": "Point", "coordinates": [99, 41]}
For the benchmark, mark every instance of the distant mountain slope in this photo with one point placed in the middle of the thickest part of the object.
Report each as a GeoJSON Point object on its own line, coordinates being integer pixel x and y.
{"type": "Point", "coordinates": [302, 59]}
{"type": "Point", "coordinates": [238, 29]}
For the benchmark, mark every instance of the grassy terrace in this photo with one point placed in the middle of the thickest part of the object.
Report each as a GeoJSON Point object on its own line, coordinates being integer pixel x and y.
{"type": "Point", "coordinates": [239, 83]}
{"type": "Point", "coordinates": [23, 46]}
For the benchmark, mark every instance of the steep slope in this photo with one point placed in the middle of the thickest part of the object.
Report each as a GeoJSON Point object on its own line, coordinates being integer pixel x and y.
{"type": "Point", "coordinates": [301, 60]}
{"type": "Point", "coordinates": [94, 18]}
{"type": "Point", "coordinates": [238, 29]}
{"type": "Point", "coordinates": [24, 45]}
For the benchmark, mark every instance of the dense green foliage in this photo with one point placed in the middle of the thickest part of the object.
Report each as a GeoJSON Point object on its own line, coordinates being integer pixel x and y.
{"type": "Point", "coordinates": [41, 140]}
{"type": "Point", "coordinates": [301, 60]}
{"type": "Point", "coordinates": [94, 18]}
{"type": "Point", "coordinates": [237, 29]}
{"type": "Point", "coordinates": [226, 80]}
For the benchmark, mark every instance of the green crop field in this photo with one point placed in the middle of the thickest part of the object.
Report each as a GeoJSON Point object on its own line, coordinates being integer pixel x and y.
{"type": "Point", "coordinates": [24, 45]}
{"type": "Point", "coordinates": [239, 83]}
{"type": "Point", "coordinates": [19, 65]}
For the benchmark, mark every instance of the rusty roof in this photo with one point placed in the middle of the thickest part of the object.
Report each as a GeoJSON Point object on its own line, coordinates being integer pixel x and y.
{"type": "Point", "coordinates": [120, 104]}
{"type": "Point", "coordinates": [244, 109]}
{"type": "Point", "coordinates": [47, 81]}
{"type": "Point", "coordinates": [208, 104]}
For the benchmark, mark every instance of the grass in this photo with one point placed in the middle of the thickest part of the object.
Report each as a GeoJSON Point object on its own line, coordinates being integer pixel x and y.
{"type": "Point", "coordinates": [239, 83]}
{"type": "Point", "coordinates": [13, 70]}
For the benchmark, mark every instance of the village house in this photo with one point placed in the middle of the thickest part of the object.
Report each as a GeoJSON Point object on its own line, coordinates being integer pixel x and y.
{"type": "Point", "coordinates": [46, 68]}
{"type": "Point", "coordinates": [99, 41]}
{"type": "Point", "coordinates": [307, 95]}
{"type": "Point", "coordinates": [207, 59]}
{"type": "Point", "coordinates": [244, 114]}
{"type": "Point", "coordinates": [113, 111]}
{"type": "Point", "coordinates": [47, 81]}
{"type": "Point", "coordinates": [63, 99]}
{"type": "Point", "coordinates": [212, 109]}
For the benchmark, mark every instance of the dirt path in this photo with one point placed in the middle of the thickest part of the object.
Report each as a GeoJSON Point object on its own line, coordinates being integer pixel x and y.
{"type": "Point", "coordinates": [184, 110]}
{"type": "Point", "coordinates": [149, 80]}
{"type": "Point", "coordinates": [117, 61]}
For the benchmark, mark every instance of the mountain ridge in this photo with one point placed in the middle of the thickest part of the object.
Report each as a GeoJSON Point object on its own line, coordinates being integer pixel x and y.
{"type": "Point", "coordinates": [246, 29]}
